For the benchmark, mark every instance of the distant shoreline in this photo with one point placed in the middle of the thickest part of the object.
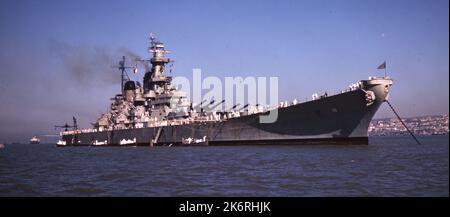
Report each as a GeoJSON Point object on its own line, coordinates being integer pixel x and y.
{"type": "Point", "coordinates": [423, 125]}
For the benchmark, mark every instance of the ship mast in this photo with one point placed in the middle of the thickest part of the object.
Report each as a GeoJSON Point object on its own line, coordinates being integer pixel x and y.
{"type": "Point", "coordinates": [155, 79]}
{"type": "Point", "coordinates": [124, 77]}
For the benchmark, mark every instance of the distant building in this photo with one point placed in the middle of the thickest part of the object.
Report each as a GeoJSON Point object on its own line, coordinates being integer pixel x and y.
{"type": "Point", "coordinates": [426, 125]}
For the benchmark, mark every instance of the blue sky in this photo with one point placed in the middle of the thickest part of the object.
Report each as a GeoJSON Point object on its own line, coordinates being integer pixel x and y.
{"type": "Point", "coordinates": [313, 46]}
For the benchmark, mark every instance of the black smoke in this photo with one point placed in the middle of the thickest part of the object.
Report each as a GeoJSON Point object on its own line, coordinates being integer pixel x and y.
{"type": "Point", "coordinates": [88, 65]}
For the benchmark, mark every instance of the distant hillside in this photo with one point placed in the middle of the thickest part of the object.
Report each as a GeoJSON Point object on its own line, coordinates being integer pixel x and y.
{"type": "Point", "coordinates": [423, 125]}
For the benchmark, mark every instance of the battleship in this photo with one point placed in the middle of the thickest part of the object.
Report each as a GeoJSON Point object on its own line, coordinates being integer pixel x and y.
{"type": "Point", "coordinates": [156, 113]}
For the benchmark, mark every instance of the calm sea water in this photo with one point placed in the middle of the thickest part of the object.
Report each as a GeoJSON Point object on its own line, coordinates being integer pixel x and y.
{"type": "Point", "coordinates": [389, 166]}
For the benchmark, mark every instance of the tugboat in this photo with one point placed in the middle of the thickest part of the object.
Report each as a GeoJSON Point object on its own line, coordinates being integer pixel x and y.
{"type": "Point", "coordinates": [35, 140]}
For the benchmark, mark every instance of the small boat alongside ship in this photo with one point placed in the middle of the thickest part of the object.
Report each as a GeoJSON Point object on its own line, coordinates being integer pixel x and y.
{"type": "Point", "coordinates": [194, 142]}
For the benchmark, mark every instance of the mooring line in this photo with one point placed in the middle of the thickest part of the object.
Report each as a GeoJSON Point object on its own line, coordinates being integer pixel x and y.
{"type": "Point", "coordinates": [401, 121]}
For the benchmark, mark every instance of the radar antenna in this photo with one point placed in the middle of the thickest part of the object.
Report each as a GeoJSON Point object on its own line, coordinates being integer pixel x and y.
{"type": "Point", "coordinates": [152, 35]}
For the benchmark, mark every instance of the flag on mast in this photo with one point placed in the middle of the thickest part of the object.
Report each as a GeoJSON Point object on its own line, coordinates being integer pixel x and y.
{"type": "Point", "coordinates": [382, 66]}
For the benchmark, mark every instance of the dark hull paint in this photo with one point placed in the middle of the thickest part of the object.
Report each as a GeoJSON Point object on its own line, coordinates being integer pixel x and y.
{"type": "Point", "coordinates": [339, 119]}
{"type": "Point", "coordinates": [325, 141]}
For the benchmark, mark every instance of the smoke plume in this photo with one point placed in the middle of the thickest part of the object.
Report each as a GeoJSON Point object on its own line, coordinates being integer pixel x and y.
{"type": "Point", "coordinates": [92, 65]}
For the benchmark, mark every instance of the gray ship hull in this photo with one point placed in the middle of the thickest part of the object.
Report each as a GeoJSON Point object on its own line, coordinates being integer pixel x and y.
{"type": "Point", "coordinates": [339, 119]}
